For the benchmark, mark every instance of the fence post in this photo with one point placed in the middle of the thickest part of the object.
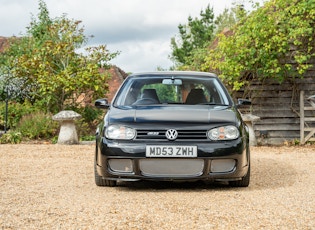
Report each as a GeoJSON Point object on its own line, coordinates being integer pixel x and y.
{"type": "Point", "coordinates": [302, 138]}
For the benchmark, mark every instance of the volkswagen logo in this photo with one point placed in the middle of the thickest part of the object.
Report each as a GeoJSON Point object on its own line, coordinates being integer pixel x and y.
{"type": "Point", "coordinates": [171, 134]}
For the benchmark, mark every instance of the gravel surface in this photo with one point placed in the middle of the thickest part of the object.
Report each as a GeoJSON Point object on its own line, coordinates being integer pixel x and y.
{"type": "Point", "coordinates": [46, 186]}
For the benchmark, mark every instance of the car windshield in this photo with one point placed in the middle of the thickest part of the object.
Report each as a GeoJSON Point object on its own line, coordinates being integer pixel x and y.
{"type": "Point", "coordinates": [165, 89]}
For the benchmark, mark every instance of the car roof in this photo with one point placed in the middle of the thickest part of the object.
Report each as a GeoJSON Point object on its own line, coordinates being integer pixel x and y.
{"type": "Point", "coordinates": [172, 73]}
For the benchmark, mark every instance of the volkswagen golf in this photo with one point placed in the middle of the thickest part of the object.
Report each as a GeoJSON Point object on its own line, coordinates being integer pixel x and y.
{"type": "Point", "coordinates": [172, 126]}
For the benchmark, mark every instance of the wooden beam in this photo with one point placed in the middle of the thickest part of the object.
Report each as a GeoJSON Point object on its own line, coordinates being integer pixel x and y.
{"type": "Point", "coordinates": [309, 135]}
{"type": "Point", "coordinates": [302, 139]}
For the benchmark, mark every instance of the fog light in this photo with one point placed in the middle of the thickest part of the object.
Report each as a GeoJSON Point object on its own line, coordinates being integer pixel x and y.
{"type": "Point", "coordinates": [222, 165]}
{"type": "Point", "coordinates": [121, 165]}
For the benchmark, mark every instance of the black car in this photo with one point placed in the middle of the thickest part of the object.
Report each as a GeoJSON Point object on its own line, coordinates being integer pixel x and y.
{"type": "Point", "coordinates": [172, 126]}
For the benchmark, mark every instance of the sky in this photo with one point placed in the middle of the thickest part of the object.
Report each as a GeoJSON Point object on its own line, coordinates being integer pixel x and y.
{"type": "Point", "coordinates": [141, 30]}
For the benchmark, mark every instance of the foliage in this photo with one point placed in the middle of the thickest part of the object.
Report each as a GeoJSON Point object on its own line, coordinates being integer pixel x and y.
{"type": "Point", "coordinates": [195, 59]}
{"type": "Point", "coordinates": [11, 137]}
{"type": "Point", "coordinates": [33, 123]}
{"type": "Point", "coordinates": [85, 129]}
{"type": "Point", "coordinates": [89, 113]}
{"type": "Point", "coordinates": [229, 18]}
{"type": "Point", "coordinates": [37, 125]}
{"type": "Point", "coordinates": [87, 138]}
{"type": "Point", "coordinates": [275, 41]}
{"type": "Point", "coordinates": [87, 125]}
{"type": "Point", "coordinates": [15, 112]}
{"type": "Point", "coordinates": [26, 121]}
{"type": "Point", "coordinates": [47, 62]}
{"type": "Point", "coordinates": [10, 87]}
{"type": "Point", "coordinates": [195, 35]}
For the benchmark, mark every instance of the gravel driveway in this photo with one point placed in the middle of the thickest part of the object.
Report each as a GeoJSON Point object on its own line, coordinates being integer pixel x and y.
{"type": "Point", "coordinates": [52, 187]}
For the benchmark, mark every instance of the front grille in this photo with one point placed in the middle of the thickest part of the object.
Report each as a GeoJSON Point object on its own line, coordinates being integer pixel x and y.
{"type": "Point", "coordinates": [171, 167]}
{"type": "Point", "coordinates": [182, 135]}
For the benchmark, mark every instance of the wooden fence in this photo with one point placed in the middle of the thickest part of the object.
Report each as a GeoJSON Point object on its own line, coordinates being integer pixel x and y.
{"type": "Point", "coordinates": [306, 132]}
{"type": "Point", "coordinates": [278, 106]}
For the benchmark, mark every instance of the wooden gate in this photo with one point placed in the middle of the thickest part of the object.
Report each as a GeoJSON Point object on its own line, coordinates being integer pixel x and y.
{"type": "Point", "coordinates": [304, 127]}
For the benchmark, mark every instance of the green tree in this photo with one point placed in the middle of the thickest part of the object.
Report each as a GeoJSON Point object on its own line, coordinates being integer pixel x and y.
{"type": "Point", "coordinates": [193, 37]}
{"type": "Point", "coordinates": [47, 60]}
{"type": "Point", "coordinates": [10, 86]}
{"type": "Point", "coordinates": [275, 41]}
{"type": "Point", "coordinates": [229, 18]}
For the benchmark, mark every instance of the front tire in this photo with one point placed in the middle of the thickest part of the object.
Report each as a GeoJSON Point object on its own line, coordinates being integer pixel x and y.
{"type": "Point", "coordinates": [100, 181]}
{"type": "Point", "coordinates": [244, 182]}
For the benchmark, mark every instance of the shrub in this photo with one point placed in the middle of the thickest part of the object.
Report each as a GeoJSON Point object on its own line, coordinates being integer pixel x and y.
{"type": "Point", "coordinates": [15, 112]}
{"type": "Point", "coordinates": [11, 137]}
{"type": "Point", "coordinates": [33, 123]}
{"type": "Point", "coordinates": [37, 125]}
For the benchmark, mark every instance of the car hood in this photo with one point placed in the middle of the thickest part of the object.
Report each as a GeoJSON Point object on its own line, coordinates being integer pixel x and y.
{"type": "Point", "coordinates": [173, 114]}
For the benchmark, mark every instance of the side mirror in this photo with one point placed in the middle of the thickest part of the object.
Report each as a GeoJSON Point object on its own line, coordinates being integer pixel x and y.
{"type": "Point", "coordinates": [102, 103]}
{"type": "Point", "coordinates": [241, 102]}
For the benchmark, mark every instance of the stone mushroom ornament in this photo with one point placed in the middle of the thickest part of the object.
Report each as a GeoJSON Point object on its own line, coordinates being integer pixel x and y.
{"type": "Point", "coordinates": [68, 133]}
{"type": "Point", "coordinates": [249, 119]}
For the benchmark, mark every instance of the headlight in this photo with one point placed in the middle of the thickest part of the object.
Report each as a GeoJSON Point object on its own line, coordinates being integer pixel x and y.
{"type": "Point", "coordinates": [224, 133]}
{"type": "Point", "coordinates": [120, 132]}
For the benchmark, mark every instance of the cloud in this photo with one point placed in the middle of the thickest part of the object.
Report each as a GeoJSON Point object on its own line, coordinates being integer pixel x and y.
{"type": "Point", "coordinates": [142, 56]}
{"type": "Point", "coordinates": [140, 29]}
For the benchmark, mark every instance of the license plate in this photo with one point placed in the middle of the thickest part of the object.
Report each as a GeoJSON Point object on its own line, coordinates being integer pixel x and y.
{"type": "Point", "coordinates": [171, 151]}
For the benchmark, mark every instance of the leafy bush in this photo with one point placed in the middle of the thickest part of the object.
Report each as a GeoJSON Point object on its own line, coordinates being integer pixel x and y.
{"type": "Point", "coordinates": [37, 126]}
{"type": "Point", "coordinates": [11, 137]}
{"type": "Point", "coordinates": [32, 123]}
{"type": "Point", "coordinates": [275, 41]}
{"type": "Point", "coordinates": [15, 112]}
{"type": "Point", "coordinates": [87, 138]}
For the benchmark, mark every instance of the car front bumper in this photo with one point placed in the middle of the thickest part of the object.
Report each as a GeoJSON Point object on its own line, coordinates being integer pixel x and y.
{"type": "Point", "coordinates": [220, 161]}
